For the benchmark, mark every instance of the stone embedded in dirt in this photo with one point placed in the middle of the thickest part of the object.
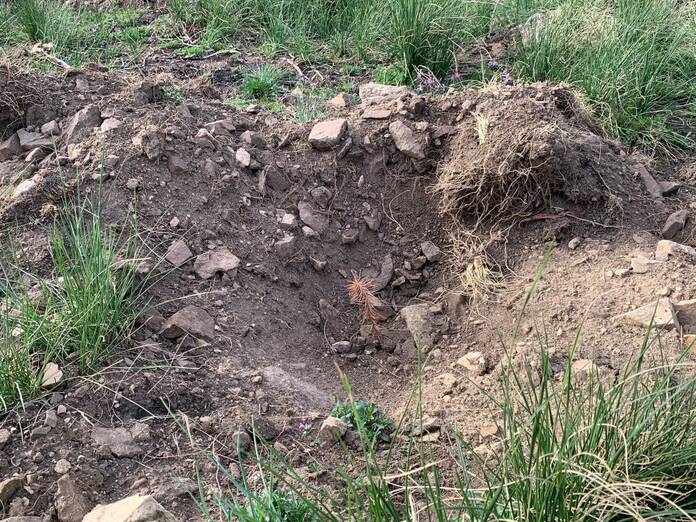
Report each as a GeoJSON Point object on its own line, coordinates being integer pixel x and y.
{"type": "Point", "coordinates": [332, 430]}
{"type": "Point", "coordinates": [118, 441]}
{"type": "Point", "coordinates": [140, 432]}
{"type": "Point", "coordinates": [174, 488]}
{"type": "Point", "coordinates": [406, 140]}
{"type": "Point", "coordinates": [243, 157]}
{"type": "Point", "coordinates": [52, 128]}
{"type": "Point", "coordinates": [25, 187]}
{"type": "Point", "coordinates": [675, 224]}
{"type": "Point", "coordinates": [62, 467]}
{"type": "Point", "coordinates": [177, 164]}
{"type": "Point", "coordinates": [340, 101]}
{"type": "Point", "coordinates": [51, 419]}
{"type": "Point", "coordinates": [149, 142]}
{"type": "Point", "coordinates": [375, 113]}
{"type": "Point", "coordinates": [71, 504]}
{"type": "Point", "coordinates": [204, 139]}
{"type": "Point", "coordinates": [82, 120]}
{"type": "Point", "coordinates": [178, 253]}
{"type": "Point", "coordinates": [349, 236]}
{"type": "Point", "coordinates": [110, 124]}
{"type": "Point", "coordinates": [133, 184]}
{"type": "Point", "coordinates": [342, 347]}
{"type": "Point", "coordinates": [474, 363]}
{"type": "Point", "coordinates": [36, 155]}
{"type": "Point", "coordinates": [669, 188]}
{"type": "Point", "coordinates": [10, 147]}
{"type": "Point", "coordinates": [385, 274]}
{"type": "Point", "coordinates": [431, 251]}
{"type": "Point", "coordinates": [215, 261]}
{"type": "Point", "coordinates": [377, 94]}
{"type": "Point", "coordinates": [316, 221]}
{"type": "Point", "coordinates": [241, 441]}
{"type": "Point", "coordinates": [287, 220]}
{"type": "Point", "coordinates": [9, 487]}
{"type": "Point", "coordinates": [148, 92]}
{"type": "Point", "coordinates": [321, 195]}
{"type": "Point", "coordinates": [309, 232]}
{"type": "Point", "coordinates": [584, 369]}
{"type": "Point", "coordinates": [660, 313]}
{"type": "Point", "coordinates": [666, 248]}
{"type": "Point", "coordinates": [131, 509]}
{"type": "Point", "coordinates": [643, 265]}
{"type": "Point", "coordinates": [373, 221]}
{"type": "Point", "coordinates": [192, 320]}
{"type": "Point", "coordinates": [446, 380]}
{"type": "Point", "coordinates": [327, 134]}
{"type": "Point", "coordinates": [686, 314]}
{"type": "Point", "coordinates": [33, 140]}
{"type": "Point", "coordinates": [318, 264]}
{"type": "Point", "coordinates": [4, 437]}
{"type": "Point", "coordinates": [419, 322]}
{"type": "Point", "coordinates": [574, 243]}
{"type": "Point", "coordinates": [286, 247]}
{"type": "Point", "coordinates": [488, 431]}
{"type": "Point", "coordinates": [255, 139]}
{"type": "Point", "coordinates": [52, 375]}
{"type": "Point", "coordinates": [220, 127]}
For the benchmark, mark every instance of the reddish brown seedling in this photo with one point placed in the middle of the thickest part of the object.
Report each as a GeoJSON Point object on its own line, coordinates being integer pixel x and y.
{"type": "Point", "coordinates": [361, 293]}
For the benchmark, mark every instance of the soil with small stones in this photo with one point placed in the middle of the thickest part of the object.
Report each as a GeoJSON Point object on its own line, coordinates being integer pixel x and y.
{"type": "Point", "coordinates": [301, 221]}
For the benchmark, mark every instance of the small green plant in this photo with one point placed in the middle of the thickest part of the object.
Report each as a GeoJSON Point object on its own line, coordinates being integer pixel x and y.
{"type": "Point", "coordinates": [172, 94]}
{"type": "Point", "coordinates": [366, 417]}
{"type": "Point", "coordinates": [273, 505]}
{"type": "Point", "coordinates": [263, 82]}
{"type": "Point", "coordinates": [391, 75]}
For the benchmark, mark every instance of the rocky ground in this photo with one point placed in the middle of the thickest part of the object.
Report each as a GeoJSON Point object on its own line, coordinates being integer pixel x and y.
{"type": "Point", "coordinates": [253, 226]}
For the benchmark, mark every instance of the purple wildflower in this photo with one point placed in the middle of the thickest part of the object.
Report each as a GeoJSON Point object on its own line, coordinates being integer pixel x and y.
{"type": "Point", "coordinates": [493, 64]}
{"type": "Point", "coordinates": [305, 426]}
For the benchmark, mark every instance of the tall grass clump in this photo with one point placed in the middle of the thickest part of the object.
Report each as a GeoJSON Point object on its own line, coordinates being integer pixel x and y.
{"type": "Point", "coordinates": [75, 315]}
{"type": "Point", "coordinates": [634, 60]}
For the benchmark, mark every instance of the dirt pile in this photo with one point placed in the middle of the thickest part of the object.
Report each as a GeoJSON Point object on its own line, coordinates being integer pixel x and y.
{"type": "Point", "coordinates": [252, 227]}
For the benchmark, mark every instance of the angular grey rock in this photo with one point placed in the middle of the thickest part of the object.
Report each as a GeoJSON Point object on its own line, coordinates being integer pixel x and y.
{"type": "Point", "coordinates": [332, 430]}
{"type": "Point", "coordinates": [110, 124]}
{"type": "Point", "coordinates": [406, 140]}
{"type": "Point", "coordinates": [177, 164]}
{"type": "Point", "coordinates": [83, 120]}
{"type": "Point", "coordinates": [178, 253]}
{"type": "Point", "coordinates": [192, 320]}
{"type": "Point", "coordinates": [9, 487]}
{"type": "Point", "coordinates": [33, 140]}
{"type": "Point", "coordinates": [71, 504]}
{"type": "Point", "coordinates": [666, 248]}
{"type": "Point", "coordinates": [51, 128]}
{"type": "Point", "coordinates": [131, 509]}
{"type": "Point", "coordinates": [4, 437]}
{"type": "Point", "coordinates": [220, 127]}
{"type": "Point", "coordinates": [254, 139]}
{"type": "Point", "coordinates": [10, 147]}
{"type": "Point", "coordinates": [118, 440]}
{"type": "Point", "coordinates": [215, 261]}
{"type": "Point", "coordinates": [431, 251]}
{"type": "Point", "coordinates": [286, 247]}
{"type": "Point", "coordinates": [149, 142]}
{"type": "Point", "coordinates": [474, 363]}
{"type": "Point", "coordinates": [675, 224]}
{"type": "Point", "coordinates": [419, 322]}
{"type": "Point", "coordinates": [327, 134]}
{"type": "Point", "coordinates": [385, 274]}
{"type": "Point", "coordinates": [243, 157]}
{"type": "Point", "coordinates": [316, 221]}
{"type": "Point", "coordinates": [660, 313]}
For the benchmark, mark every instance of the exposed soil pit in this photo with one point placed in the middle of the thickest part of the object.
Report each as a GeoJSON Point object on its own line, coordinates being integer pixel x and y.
{"type": "Point", "coordinates": [254, 226]}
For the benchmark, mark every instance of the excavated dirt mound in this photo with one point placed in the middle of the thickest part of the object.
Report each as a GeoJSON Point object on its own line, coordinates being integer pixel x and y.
{"type": "Point", "coordinates": [252, 227]}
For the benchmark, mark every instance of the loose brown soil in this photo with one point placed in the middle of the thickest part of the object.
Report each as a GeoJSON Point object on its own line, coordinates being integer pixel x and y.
{"type": "Point", "coordinates": [278, 314]}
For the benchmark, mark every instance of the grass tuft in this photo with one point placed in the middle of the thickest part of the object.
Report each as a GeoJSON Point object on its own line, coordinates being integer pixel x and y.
{"type": "Point", "coordinates": [263, 82]}
{"type": "Point", "coordinates": [72, 317]}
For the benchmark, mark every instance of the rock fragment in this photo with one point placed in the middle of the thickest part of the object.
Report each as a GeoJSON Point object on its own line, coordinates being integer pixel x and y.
{"type": "Point", "coordinates": [675, 224]}
{"type": "Point", "coordinates": [215, 261]}
{"type": "Point", "coordinates": [660, 313]}
{"type": "Point", "coordinates": [131, 509]}
{"type": "Point", "coordinates": [178, 253]}
{"type": "Point", "coordinates": [118, 441]}
{"type": "Point", "coordinates": [327, 134]}
{"type": "Point", "coordinates": [192, 320]}
{"type": "Point", "coordinates": [406, 140]}
{"type": "Point", "coordinates": [71, 504]}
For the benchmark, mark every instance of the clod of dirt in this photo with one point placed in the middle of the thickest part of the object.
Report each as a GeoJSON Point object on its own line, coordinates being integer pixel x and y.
{"type": "Point", "coordinates": [118, 441]}
{"type": "Point", "coordinates": [521, 147]}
